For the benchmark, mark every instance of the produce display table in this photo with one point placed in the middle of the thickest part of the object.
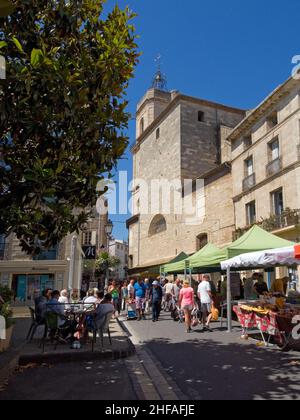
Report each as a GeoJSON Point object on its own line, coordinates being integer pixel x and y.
{"type": "Point", "coordinates": [275, 325]}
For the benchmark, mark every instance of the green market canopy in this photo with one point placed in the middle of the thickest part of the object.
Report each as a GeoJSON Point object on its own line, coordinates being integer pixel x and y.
{"type": "Point", "coordinates": [209, 258]}
{"type": "Point", "coordinates": [188, 263]}
{"type": "Point", "coordinates": [177, 261]}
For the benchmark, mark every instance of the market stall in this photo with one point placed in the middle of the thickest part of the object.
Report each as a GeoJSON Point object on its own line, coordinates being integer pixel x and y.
{"type": "Point", "coordinates": [270, 314]}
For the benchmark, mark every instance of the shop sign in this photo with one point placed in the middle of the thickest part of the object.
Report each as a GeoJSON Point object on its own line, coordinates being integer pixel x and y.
{"type": "Point", "coordinates": [89, 252]}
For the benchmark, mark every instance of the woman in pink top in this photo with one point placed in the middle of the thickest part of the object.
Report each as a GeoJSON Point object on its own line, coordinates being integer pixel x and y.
{"type": "Point", "coordinates": [187, 303]}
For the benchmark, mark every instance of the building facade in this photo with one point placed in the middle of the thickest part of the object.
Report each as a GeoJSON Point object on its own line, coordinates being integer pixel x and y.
{"type": "Point", "coordinates": [266, 164]}
{"type": "Point", "coordinates": [25, 274]}
{"type": "Point", "coordinates": [119, 249]}
{"type": "Point", "coordinates": [181, 139]}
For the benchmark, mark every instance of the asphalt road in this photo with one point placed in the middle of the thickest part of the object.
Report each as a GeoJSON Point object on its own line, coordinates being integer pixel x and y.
{"type": "Point", "coordinates": [219, 365]}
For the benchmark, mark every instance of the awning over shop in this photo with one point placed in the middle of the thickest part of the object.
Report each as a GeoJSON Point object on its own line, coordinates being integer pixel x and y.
{"type": "Point", "coordinates": [263, 259]}
{"type": "Point", "coordinates": [172, 265]}
{"type": "Point", "coordinates": [202, 256]}
{"type": "Point", "coordinates": [254, 240]}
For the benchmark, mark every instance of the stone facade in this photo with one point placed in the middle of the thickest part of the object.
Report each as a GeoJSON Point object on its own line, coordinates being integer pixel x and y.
{"type": "Point", "coordinates": [277, 171]}
{"type": "Point", "coordinates": [180, 138]}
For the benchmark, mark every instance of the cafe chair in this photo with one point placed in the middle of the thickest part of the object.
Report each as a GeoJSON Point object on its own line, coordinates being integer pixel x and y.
{"type": "Point", "coordinates": [52, 331]}
{"type": "Point", "coordinates": [103, 329]}
{"type": "Point", "coordinates": [34, 325]}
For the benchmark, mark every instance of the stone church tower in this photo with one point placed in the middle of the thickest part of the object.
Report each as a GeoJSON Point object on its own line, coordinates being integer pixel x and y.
{"type": "Point", "coordinates": [177, 138]}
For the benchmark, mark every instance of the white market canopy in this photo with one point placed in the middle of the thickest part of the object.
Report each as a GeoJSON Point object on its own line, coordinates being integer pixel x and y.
{"type": "Point", "coordinates": [263, 259]}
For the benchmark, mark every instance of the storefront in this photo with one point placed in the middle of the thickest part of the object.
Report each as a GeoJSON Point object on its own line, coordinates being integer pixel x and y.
{"type": "Point", "coordinates": [25, 286]}
{"type": "Point", "coordinates": [26, 278]}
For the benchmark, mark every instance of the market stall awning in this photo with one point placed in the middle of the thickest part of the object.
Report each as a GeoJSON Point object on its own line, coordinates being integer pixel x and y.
{"type": "Point", "coordinates": [263, 259]}
{"type": "Point", "coordinates": [202, 255]}
{"type": "Point", "coordinates": [173, 264]}
{"type": "Point", "coordinates": [254, 240]}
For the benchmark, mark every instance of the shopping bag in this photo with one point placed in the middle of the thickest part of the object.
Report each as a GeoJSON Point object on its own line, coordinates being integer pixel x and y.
{"type": "Point", "coordinates": [215, 313]}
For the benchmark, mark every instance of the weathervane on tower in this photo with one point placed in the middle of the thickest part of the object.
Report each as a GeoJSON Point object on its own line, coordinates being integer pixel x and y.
{"type": "Point", "coordinates": [159, 81]}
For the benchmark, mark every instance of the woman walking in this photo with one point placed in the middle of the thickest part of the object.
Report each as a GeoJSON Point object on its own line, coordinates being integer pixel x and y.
{"type": "Point", "coordinates": [115, 293]}
{"type": "Point", "coordinates": [187, 303]}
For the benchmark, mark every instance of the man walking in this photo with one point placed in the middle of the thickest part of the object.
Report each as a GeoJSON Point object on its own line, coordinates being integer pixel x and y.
{"type": "Point", "coordinates": [156, 297]}
{"type": "Point", "coordinates": [140, 295]}
{"type": "Point", "coordinates": [205, 297]}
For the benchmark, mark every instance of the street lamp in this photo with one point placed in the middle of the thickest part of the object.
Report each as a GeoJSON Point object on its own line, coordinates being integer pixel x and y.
{"type": "Point", "coordinates": [108, 230]}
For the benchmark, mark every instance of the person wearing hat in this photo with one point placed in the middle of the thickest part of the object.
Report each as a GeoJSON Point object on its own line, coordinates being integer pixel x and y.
{"type": "Point", "coordinates": [156, 296]}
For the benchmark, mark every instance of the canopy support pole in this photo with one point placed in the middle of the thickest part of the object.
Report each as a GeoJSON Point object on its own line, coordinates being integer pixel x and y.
{"type": "Point", "coordinates": [190, 271]}
{"type": "Point", "coordinates": [229, 306]}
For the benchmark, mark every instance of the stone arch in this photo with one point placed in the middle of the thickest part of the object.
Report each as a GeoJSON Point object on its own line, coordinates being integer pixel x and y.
{"type": "Point", "coordinates": [158, 225]}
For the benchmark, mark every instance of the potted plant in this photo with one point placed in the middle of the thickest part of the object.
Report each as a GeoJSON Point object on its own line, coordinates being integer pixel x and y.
{"type": "Point", "coordinates": [6, 312]}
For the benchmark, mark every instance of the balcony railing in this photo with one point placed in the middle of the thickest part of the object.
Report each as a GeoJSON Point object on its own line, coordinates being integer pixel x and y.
{"type": "Point", "coordinates": [287, 219]}
{"type": "Point", "coordinates": [249, 182]}
{"type": "Point", "coordinates": [274, 167]}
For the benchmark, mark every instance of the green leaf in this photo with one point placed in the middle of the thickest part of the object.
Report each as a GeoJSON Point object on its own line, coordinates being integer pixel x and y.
{"type": "Point", "coordinates": [37, 57]}
{"type": "Point", "coordinates": [17, 44]}
{"type": "Point", "coordinates": [3, 44]}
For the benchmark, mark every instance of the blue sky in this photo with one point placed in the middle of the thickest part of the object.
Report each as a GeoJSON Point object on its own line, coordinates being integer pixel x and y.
{"type": "Point", "coordinates": [231, 52]}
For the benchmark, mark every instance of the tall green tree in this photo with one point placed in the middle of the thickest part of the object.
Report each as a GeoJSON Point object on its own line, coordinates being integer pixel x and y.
{"type": "Point", "coordinates": [62, 112]}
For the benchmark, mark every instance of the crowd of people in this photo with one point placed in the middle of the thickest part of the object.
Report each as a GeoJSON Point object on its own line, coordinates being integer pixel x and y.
{"type": "Point", "coordinates": [192, 305]}
{"type": "Point", "coordinates": [61, 304]}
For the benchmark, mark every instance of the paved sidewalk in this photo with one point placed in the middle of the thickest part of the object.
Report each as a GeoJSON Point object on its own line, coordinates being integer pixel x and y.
{"type": "Point", "coordinates": [22, 353]}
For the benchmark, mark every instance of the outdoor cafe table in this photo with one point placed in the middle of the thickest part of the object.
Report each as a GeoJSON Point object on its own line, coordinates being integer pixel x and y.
{"type": "Point", "coordinates": [79, 312]}
{"type": "Point", "coordinates": [275, 325]}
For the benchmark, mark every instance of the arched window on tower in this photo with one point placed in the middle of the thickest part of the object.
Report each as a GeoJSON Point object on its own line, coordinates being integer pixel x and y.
{"type": "Point", "coordinates": [202, 240]}
{"type": "Point", "coordinates": [157, 225]}
{"type": "Point", "coordinates": [142, 126]}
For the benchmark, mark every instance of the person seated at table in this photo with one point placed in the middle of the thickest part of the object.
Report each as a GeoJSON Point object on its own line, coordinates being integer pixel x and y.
{"type": "Point", "coordinates": [106, 307]}
{"type": "Point", "coordinates": [75, 298]}
{"type": "Point", "coordinates": [64, 298]}
{"type": "Point", "coordinates": [55, 307]}
{"type": "Point", "coordinates": [90, 297]}
{"type": "Point", "coordinates": [68, 326]}
{"type": "Point", "coordinates": [41, 305]}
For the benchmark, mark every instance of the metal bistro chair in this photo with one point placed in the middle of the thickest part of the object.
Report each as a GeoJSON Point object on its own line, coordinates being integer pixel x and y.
{"type": "Point", "coordinates": [34, 325]}
{"type": "Point", "coordinates": [52, 329]}
{"type": "Point", "coordinates": [103, 329]}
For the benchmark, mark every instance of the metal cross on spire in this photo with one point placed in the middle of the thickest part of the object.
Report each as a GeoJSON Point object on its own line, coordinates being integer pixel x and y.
{"type": "Point", "coordinates": [159, 81]}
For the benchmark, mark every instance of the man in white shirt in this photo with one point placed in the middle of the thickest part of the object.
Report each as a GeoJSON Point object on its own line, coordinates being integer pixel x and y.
{"type": "Point", "coordinates": [205, 297]}
{"type": "Point", "coordinates": [103, 310]}
{"type": "Point", "coordinates": [91, 298]}
{"type": "Point", "coordinates": [169, 293]}
{"type": "Point", "coordinates": [131, 289]}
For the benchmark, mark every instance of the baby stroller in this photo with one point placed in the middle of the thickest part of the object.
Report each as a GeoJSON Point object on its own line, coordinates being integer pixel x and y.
{"type": "Point", "coordinates": [131, 310]}
{"type": "Point", "coordinates": [176, 313]}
